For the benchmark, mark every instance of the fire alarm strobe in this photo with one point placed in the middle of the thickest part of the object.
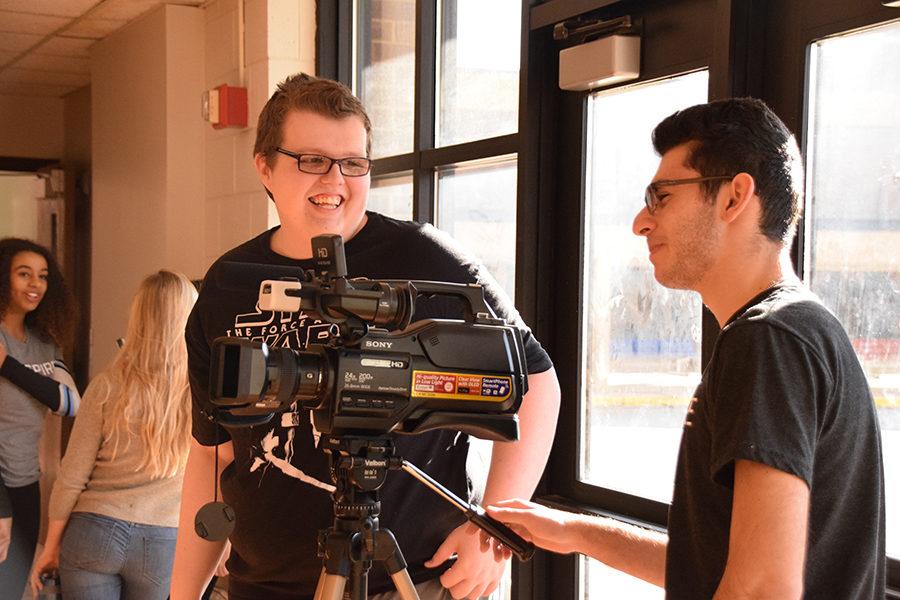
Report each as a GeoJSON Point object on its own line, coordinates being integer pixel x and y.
{"type": "Point", "coordinates": [225, 106]}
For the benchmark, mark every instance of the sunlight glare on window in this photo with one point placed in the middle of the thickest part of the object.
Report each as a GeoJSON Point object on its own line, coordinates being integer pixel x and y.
{"type": "Point", "coordinates": [478, 70]}
{"type": "Point", "coordinates": [385, 71]}
{"type": "Point", "coordinates": [476, 204]}
{"type": "Point", "coordinates": [392, 196]}
{"type": "Point", "coordinates": [641, 340]}
{"type": "Point", "coordinates": [853, 216]}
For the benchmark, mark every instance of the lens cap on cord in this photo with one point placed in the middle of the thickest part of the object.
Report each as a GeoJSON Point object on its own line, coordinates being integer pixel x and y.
{"type": "Point", "coordinates": [214, 521]}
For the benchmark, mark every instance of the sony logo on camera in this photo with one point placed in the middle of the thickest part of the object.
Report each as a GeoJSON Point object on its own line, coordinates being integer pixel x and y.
{"type": "Point", "coordinates": [377, 344]}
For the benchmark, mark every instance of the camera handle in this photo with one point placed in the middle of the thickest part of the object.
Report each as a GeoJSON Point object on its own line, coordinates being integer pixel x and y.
{"type": "Point", "coordinates": [348, 548]}
{"type": "Point", "coordinates": [476, 307]}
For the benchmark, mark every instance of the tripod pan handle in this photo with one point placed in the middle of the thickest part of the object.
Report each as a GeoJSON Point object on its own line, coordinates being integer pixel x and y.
{"type": "Point", "coordinates": [523, 549]}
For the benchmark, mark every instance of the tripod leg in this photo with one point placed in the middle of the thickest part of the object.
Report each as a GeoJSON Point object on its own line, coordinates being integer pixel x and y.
{"type": "Point", "coordinates": [330, 587]}
{"type": "Point", "coordinates": [404, 585]}
{"type": "Point", "coordinates": [320, 585]}
{"type": "Point", "coordinates": [388, 553]}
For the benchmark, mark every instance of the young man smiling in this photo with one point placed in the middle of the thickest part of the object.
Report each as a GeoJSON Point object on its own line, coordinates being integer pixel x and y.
{"type": "Point", "coordinates": [779, 488]}
{"type": "Point", "coordinates": [311, 154]}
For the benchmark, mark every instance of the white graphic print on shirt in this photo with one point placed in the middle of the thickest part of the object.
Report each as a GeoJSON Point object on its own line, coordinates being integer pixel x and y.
{"type": "Point", "coordinates": [283, 330]}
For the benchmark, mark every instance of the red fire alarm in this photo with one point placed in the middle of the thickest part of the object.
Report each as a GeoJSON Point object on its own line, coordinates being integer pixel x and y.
{"type": "Point", "coordinates": [225, 106]}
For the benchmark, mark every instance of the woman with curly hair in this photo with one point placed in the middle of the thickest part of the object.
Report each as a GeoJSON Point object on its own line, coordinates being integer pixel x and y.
{"type": "Point", "coordinates": [37, 318]}
{"type": "Point", "coordinates": [114, 506]}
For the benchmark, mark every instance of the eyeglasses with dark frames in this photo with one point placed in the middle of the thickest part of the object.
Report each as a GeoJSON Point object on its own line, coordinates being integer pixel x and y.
{"type": "Point", "coordinates": [653, 201]}
{"type": "Point", "coordinates": [316, 164]}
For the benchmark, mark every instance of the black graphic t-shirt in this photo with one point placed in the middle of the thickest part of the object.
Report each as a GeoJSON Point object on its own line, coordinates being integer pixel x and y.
{"type": "Point", "coordinates": [783, 388]}
{"type": "Point", "coordinates": [279, 484]}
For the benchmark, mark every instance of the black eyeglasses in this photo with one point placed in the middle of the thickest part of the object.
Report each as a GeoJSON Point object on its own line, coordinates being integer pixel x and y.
{"type": "Point", "coordinates": [316, 164]}
{"type": "Point", "coordinates": [653, 201]}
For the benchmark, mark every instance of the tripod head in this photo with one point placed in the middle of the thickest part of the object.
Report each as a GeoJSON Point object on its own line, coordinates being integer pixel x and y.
{"type": "Point", "coordinates": [359, 467]}
{"type": "Point", "coordinates": [360, 464]}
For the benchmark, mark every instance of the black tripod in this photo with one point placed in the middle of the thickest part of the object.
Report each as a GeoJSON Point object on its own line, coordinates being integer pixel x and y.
{"type": "Point", "coordinates": [359, 467]}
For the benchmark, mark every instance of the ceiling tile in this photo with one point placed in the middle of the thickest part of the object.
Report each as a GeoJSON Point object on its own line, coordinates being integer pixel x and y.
{"type": "Point", "coordinates": [60, 8]}
{"type": "Point", "coordinates": [124, 10]}
{"type": "Point", "coordinates": [92, 28]}
{"type": "Point", "coordinates": [28, 23]}
{"type": "Point", "coordinates": [66, 46]}
{"type": "Point", "coordinates": [13, 88]}
{"type": "Point", "coordinates": [18, 42]}
{"type": "Point", "coordinates": [17, 75]}
{"type": "Point", "coordinates": [58, 64]}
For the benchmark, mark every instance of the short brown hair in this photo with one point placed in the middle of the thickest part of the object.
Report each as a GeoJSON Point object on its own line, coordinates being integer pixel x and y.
{"type": "Point", "coordinates": [305, 92]}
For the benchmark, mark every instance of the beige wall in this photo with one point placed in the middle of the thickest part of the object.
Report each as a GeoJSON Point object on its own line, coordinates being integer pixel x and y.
{"type": "Point", "coordinates": [167, 190]}
{"type": "Point", "coordinates": [76, 164]}
{"type": "Point", "coordinates": [31, 127]}
{"type": "Point", "coordinates": [77, 118]}
{"type": "Point", "coordinates": [279, 40]}
{"type": "Point", "coordinates": [184, 140]}
{"type": "Point", "coordinates": [77, 242]}
{"type": "Point", "coordinates": [234, 208]}
{"type": "Point", "coordinates": [145, 90]}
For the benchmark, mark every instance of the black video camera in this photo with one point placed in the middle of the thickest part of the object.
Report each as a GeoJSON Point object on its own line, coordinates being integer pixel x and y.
{"type": "Point", "coordinates": [380, 374]}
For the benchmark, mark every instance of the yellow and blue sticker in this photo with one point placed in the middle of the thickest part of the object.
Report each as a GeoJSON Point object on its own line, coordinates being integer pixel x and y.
{"type": "Point", "coordinates": [461, 386]}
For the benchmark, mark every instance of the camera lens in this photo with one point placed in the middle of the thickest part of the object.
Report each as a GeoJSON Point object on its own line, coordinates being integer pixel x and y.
{"type": "Point", "coordinates": [293, 375]}
{"type": "Point", "coordinates": [312, 374]}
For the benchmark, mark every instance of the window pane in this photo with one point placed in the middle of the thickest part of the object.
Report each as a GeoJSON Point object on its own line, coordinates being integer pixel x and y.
{"type": "Point", "coordinates": [599, 581]}
{"type": "Point", "coordinates": [392, 196]}
{"type": "Point", "coordinates": [853, 216]}
{"type": "Point", "coordinates": [476, 204]}
{"type": "Point", "coordinates": [385, 71]}
{"type": "Point", "coordinates": [641, 340]}
{"type": "Point", "coordinates": [478, 70]}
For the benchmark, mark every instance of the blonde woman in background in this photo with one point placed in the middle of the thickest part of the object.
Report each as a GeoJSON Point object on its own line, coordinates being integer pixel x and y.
{"type": "Point", "coordinates": [114, 507]}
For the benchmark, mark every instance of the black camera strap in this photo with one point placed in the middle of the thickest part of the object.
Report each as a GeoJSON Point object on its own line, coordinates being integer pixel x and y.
{"type": "Point", "coordinates": [216, 470]}
{"type": "Point", "coordinates": [215, 520]}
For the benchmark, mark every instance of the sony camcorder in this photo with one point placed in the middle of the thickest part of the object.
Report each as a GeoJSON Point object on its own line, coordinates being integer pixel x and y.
{"type": "Point", "coordinates": [381, 373]}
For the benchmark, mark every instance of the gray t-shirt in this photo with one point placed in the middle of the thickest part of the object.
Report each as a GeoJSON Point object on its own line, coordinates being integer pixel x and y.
{"type": "Point", "coordinates": [21, 416]}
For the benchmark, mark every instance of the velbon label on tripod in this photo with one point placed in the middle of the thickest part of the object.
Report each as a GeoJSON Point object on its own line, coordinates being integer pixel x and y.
{"type": "Point", "coordinates": [460, 386]}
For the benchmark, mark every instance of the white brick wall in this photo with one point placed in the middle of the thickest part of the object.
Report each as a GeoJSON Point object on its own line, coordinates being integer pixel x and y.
{"type": "Point", "coordinates": [279, 38]}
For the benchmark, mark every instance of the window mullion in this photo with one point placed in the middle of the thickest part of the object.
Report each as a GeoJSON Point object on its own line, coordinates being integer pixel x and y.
{"type": "Point", "coordinates": [424, 119]}
{"type": "Point", "coordinates": [469, 151]}
{"type": "Point", "coordinates": [334, 46]}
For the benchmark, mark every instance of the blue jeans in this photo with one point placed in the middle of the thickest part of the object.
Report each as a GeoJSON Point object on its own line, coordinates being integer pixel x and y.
{"type": "Point", "coordinates": [102, 558]}
{"type": "Point", "coordinates": [26, 510]}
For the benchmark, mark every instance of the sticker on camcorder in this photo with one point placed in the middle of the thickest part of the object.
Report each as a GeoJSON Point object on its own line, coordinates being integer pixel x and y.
{"type": "Point", "coordinates": [458, 386]}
